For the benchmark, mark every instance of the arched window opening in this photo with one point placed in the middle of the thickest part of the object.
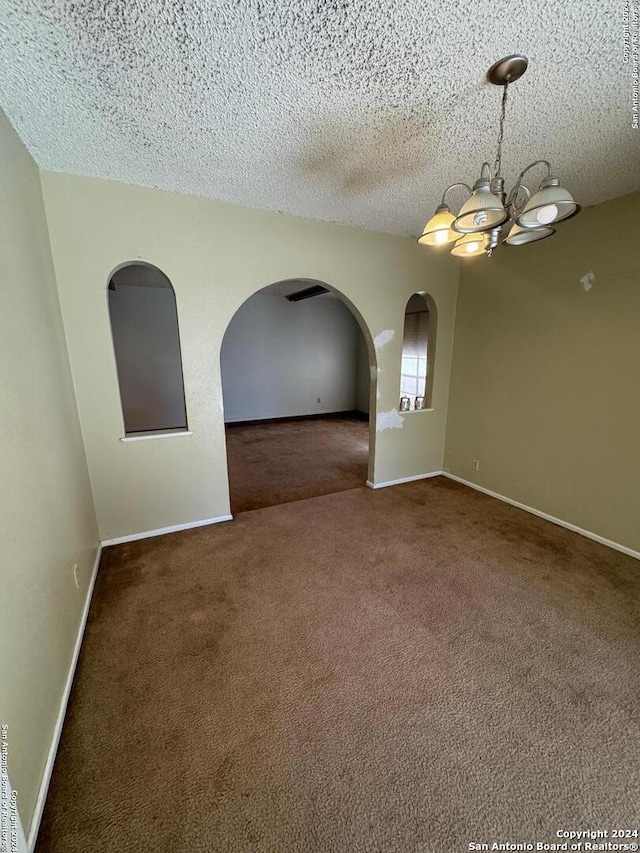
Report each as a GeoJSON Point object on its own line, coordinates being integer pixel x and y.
{"type": "Point", "coordinates": [416, 378]}
{"type": "Point", "coordinates": [146, 340]}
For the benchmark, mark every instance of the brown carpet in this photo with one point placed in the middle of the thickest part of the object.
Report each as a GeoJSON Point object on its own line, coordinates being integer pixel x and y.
{"type": "Point", "coordinates": [410, 669]}
{"type": "Point", "coordinates": [274, 463]}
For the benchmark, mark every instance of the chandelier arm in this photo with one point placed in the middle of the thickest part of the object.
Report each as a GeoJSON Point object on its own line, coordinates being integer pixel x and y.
{"type": "Point", "coordinates": [519, 183]}
{"type": "Point", "coordinates": [453, 186]}
{"type": "Point", "coordinates": [530, 166]}
{"type": "Point", "coordinates": [511, 205]}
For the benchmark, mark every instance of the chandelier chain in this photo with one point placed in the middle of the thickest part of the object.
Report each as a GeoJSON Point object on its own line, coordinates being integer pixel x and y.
{"type": "Point", "coordinates": [498, 163]}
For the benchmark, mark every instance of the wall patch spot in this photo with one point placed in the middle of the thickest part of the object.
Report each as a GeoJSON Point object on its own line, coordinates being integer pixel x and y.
{"type": "Point", "coordinates": [389, 420]}
{"type": "Point", "coordinates": [587, 281]}
{"type": "Point", "coordinates": [383, 338]}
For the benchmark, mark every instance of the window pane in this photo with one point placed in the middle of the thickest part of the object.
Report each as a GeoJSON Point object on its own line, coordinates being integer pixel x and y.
{"type": "Point", "coordinates": [414, 348]}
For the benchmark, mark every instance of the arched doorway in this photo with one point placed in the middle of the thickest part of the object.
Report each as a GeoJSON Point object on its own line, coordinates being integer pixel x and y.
{"type": "Point", "coordinates": [297, 364]}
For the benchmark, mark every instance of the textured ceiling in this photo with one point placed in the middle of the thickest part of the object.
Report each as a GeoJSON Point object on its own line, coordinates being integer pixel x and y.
{"type": "Point", "coordinates": [356, 111]}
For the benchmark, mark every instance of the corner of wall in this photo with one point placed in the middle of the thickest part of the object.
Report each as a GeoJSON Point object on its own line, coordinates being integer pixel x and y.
{"type": "Point", "coordinates": [54, 268]}
{"type": "Point", "coordinates": [459, 266]}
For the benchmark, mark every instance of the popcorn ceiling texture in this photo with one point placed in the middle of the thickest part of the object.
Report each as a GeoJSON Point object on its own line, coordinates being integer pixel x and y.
{"type": "Point", "coordinates": [357, 112]}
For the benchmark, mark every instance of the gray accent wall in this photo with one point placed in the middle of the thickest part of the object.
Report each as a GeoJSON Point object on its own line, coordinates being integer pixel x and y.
{"type": "Point", "coordinates": [282, 359]}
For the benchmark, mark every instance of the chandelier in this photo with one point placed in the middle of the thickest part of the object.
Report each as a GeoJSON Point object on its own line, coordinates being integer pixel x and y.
{"type": "Point", "coordinates": [478, 227]}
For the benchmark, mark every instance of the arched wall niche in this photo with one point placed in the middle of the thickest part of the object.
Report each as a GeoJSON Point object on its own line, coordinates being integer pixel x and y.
{"type": "Point", "coordinates": [419, 348]}
{"type": "Point", "coordinates": [145, 334]}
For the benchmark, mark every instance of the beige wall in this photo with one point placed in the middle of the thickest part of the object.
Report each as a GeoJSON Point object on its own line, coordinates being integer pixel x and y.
{"type": "Point", "coordinates": [47, 521]}
{"type": "Point", "coordinates": [545, 386]}
{"type": "Point", "coordinates": [217, 255]}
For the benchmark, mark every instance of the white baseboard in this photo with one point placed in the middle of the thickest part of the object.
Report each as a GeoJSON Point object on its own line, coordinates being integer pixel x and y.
{"type": "Point", "coordinates": [175, 528]}
{"type": "Point", "coordinates": [57, 731]}
{"type": "Point", "coordinates": [589, 535]}
{"type": "Point", "coordinates": [403, 480]}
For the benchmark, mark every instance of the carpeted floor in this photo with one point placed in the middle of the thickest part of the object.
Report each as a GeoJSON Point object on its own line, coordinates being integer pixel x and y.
{"type": "Point", "coordinates": [410, 669]}
{"type": "Point", "coordinates": [274, 463]}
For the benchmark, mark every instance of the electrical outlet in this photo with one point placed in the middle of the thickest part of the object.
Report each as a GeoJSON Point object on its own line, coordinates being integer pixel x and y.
{"type": "Point", "coordinates": [75, 575]}
{"type": "Point", "coordinates": [475, 464]}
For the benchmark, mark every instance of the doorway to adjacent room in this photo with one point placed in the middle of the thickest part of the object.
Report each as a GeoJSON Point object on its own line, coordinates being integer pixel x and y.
{"type": "Point", "coordinates": [296, 377]}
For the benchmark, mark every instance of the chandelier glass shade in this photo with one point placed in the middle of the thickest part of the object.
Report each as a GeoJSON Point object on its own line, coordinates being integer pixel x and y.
{"type": "Point", "coordinates": [470, 246]}
{"type": "Point", "coordinates": [550, 204]}
{"type": "Point", "coordinates": [517, 236]}
{"type": "Point", "coordinates": [527, 216]}
{"type": "Point", "coordinates": [437, 231]}
{"type": "Point", "coordinates": [483, 211]}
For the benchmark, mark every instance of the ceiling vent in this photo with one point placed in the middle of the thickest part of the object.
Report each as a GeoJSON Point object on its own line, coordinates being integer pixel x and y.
{"type": "Point", "coordinates": [307, 293]}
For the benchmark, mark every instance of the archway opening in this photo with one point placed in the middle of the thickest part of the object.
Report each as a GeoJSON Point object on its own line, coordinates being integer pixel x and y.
{"type": "Point", "coordinates": [296, 364]}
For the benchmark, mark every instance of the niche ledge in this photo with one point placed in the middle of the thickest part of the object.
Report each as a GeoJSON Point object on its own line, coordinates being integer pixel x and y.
{"type": "Point", "coordinates": [146, 436]}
